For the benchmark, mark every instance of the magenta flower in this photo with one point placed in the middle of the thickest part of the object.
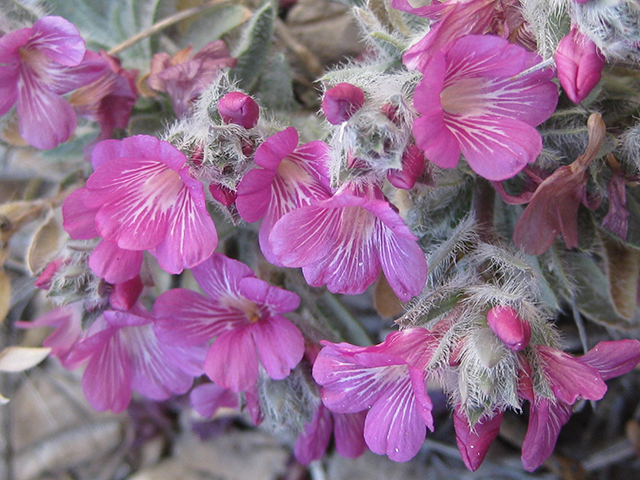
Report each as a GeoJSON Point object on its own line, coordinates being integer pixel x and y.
{"type": "Point", "coordinates": [473, 443]}
{"type": "Point", "coordinates": [242, 313]}
{"type": "Point", "coordinates": [514, 332]}
{"type": "Point", "coordinates": [37, 66]}
{"type": "Point", "coordinates": [345, 240]}
{"type": "Point", "coordinates": [141, 197]}
{"type": "Point", "coordinates": [67, 322]}
{"type": "Point", "coordinates": [347, 429]}
{"type": "Point", "coordinates": [579, 63]}
{"type": "Point", "coordinates": [185, 79]}
{"type": "Point", "coordinates": [570, 379]}
{"type": "Point", "coordinates": [388, 382]}
{"type": "Point", "coordinates": [413, 166]}
{"type": "Point", "coordinates": [124, 354]}
{"type": "Point", "coordinates": [110, 99]}
{"type": "Point", "coordinates": [470, 103]}
{"type": "Point", "coordinates": [341, 102]}
{"type": "Point", "coordinates": [207, 398]}
{"type": "Point", "coordinates": [553, 208]}
{"type": "Point", "coordinates": [239, 109]}
{"type": "Point", "coordinates": [290, 177]}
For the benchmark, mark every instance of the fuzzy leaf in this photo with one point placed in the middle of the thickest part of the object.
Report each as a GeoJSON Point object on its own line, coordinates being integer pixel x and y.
{"type": "Point", "coordinates": [19, 359]}
{"type": "Point", "coordinates": [276, 90]}
{"type": "Point", "coordinates": [254, 47]}
{"type": "Point", "coordinates": [211, 25]}
{"type": "Point", "coordinates": [591, 290]}
{"type": "Point", "coordinates": [17, 14]}
{"type": "Point", "coordinates": [633, 206]}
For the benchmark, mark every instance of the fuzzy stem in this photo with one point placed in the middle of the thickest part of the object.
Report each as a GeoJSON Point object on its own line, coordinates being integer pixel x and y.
{"type": "Point", "coordinates": [167, 22]}
{"type": "Point", "coordinates": [483, 207]}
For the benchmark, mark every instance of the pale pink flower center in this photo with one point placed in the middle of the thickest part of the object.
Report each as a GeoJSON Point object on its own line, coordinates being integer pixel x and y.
{"type": "Point", "coordinates": [162, 188]}
{"type": "Point", "coordinates": [465, 97]}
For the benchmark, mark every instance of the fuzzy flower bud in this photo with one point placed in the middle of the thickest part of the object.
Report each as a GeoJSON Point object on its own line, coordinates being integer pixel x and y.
{"type": "Point", "coordinates": [509, 327]}
{"type": "Point", "coordinates": [240, 109]}
{"type": "Point", "coordinates": [579, 63]}
{"type": "Point", "coordinates": [341, 102]}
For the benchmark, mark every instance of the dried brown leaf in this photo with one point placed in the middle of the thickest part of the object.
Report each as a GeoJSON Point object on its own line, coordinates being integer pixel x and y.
{"type": "Point", "coordinates": [19, 359]}
{"type": "Point", "coordinates": [5, 293]}
{"type": "Point", "coordinates": [623, 271]}
{"type": "Point", "coordinates": [44, 244]}
{"type": "Point", "coordinates": [385, 301]}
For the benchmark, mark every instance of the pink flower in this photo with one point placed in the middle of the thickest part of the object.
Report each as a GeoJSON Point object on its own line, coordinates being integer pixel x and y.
{"type": "Point", "coordinates": [579, 63]}
{"type": "Point", "coordinates": [240, 109]}
{"type": "Point", "coordinates": [470, 103]}
{"type": "Point", "coordinates": [553, 209]}
{"type": "Point", "coordinates": [388, 382]}
{"type": "Point", "coordinates": [141, 197]}
{"type": "Point", "coordinates": [514, 332]}
{"type": "Point", "coordinates": [413, 166]}
{"type": "Point", "coordinates": [617, 218]}
{"type": "Point", "coordinates": [473, 443]}
{"type": "Point", "coordinates": [341, 102]}
{"type": "Point", "coordinates": [242, 313]}
{"type": "Point", "coordinates": [207, 398]}
{"type": "Point", "coordinates": [124, 354]}
{"type": "Point", "coordinates": [185, 79]}
{"type": "Point", "coordinates": [67, 322]}
{"type": "Point", "coordinates": [37, 66]}
{"type": "Point", "coordinates": [569, 378]}
{"type": "Point", "coordinates": [345, 240]}
{"type": "Point", "coordinates": [291, 176]}
{"type": "Point", "coordinates": [110, 99]}
{"type": "Point", "coordinates": [347, 428]}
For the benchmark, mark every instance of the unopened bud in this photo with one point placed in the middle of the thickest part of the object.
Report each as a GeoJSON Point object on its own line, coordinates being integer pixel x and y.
{"type": "Point", "coordinates": [223, 194]}
{"type": "Point", "coordinates": [579, 63]}
{"type": "Point", "coordinates": [514, 332]}
{"type": "Point", "coordinates": [341, 102]}
{"type": "Point", "coordinates": [239, 109]}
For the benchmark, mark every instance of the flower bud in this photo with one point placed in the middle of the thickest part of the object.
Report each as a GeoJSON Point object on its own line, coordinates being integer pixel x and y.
{"type": "Point", "coordinates": [579, 63]}
{"type": "Point", "coordinates": [341, 102]}
{"type": "Point", "coordinates": [240, 109]}
{"type": "Point", "coordinates": [514, 332]}
{"type": "Point", "coordinates": [223, 194]}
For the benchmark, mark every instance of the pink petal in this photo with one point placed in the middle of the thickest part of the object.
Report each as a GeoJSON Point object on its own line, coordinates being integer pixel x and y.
{"type": "Point", "coordinates": [58, 39]}
{"type": "Point", "coordinates": [209, 397]}
{"type": "Point", "coordinates": [280, 345]}
{"type": "Point", "coordinates": [275, 148]}
{"type": "Point", "coordinates": [232, 361]}
{"type": "Point", "coordinates": [220, 276]}
{"type": "Point", "coordinates": [393, 425]}
{"type": "Point", "coordinates": [403, 261]}
{"type": "Point", "coordinates": [339, 103]}
{"type": "Point", "coordinates": [78, 220]}
{"type": "Point", "coordinates": [413, 165]}
{"type": "Point", "coordinates": [261, 293]}
{"type": "Point", "coordinates": [349, 387]}
{"type": "Point", "coordinates": [579, 63]}
{"type": "Point", "coordinates": [349, 434]}
{"type": "Point", "coordinates": [474, 443]}
{"type": "Point", "coordinates": [239, 108]}
{"type": "Point", "coordinates": [254, 194]}
{"type": "Point", "coordinates": [115, 264]}
{"type": "Point", "coordinates": [137, 196]}
{"type": "Point", "coordinates": [106, 381]}
{"type": "Point", "coordinates": [186, 318]}
{"type": "Point", "coordinates": [191, 236]}
{"type": "Point", "coordinates": [44, 119]}
{"type": "Point", "coordinates": [614, 358]}
{"type": "Point", "coordinates": [125, 295]}
{"type": "Point", "coordinates": [569, 378]}
{"type": "Point", "coordinates": [155, 372]}
{"type": "Point", "coordinates": [314, 439]}
{"type": "Point", "coordinates": [545, 421]}
{"type": "Point", "coordinates": [496, 148]}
